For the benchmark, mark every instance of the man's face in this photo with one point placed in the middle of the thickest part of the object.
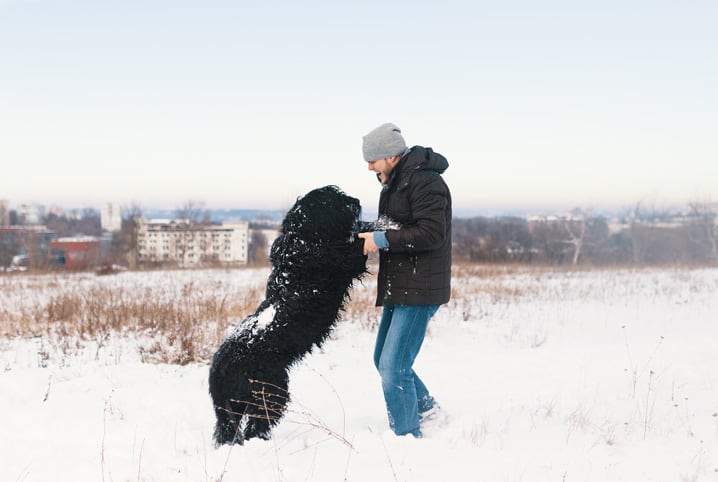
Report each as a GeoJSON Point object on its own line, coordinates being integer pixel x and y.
{"type": "Point", "coordinates": [383, 167]}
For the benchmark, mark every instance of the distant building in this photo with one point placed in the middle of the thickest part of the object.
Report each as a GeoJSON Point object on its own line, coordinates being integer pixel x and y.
{"type": "Point", "coordinates": [54, 210]}
{"type": "Point", "coordinates": [30, 214]}
{"type": "Point", "coordinates": [4, 213]}
{"type": "Point", "coordinates": [76, 252]}
{"type": "Point", "coordinates": [162, 240]}
{"type": "Point", "coordinates": [111, 217]}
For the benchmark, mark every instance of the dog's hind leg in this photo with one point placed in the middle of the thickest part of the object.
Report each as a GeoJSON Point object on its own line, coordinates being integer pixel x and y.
{"type": "Point", "coordinates": [270, 404]}
{"type": "Point", "coordinates": [231, 425]}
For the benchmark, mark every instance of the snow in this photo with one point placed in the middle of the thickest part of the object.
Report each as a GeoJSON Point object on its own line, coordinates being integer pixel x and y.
{"type": "Point", "coordinates": [266, 317]}
{"type": "Point", "coordinates": [548, 376]}
{"type": "Point", "coordinates": [385, 223]}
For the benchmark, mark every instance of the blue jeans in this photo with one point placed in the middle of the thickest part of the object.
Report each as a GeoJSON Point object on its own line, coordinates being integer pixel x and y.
{"type": "Point", "coordinates": [398, 340]}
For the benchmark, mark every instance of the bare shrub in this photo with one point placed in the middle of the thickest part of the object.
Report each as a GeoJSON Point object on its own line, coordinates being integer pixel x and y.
{"type": "Point", "coordinates": [173, 321]}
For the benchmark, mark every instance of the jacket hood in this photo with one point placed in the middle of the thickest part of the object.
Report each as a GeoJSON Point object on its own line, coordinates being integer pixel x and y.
{"type": "Point", "coordinates": [425, 158]}
{"type": "Point", "coordinates": [417, 159]}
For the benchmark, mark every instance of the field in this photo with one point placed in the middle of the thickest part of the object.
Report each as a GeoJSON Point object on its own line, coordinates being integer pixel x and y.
{"type": "Point", "coordinates": [546, 375]}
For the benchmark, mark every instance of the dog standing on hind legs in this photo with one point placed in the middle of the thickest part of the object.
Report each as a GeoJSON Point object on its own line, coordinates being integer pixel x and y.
{"type": "Point", "coordinates": [315, 260]}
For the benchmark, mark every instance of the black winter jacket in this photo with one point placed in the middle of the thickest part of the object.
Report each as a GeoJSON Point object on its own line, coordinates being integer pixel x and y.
{"type": "Point", "coordinates": [416, 267]}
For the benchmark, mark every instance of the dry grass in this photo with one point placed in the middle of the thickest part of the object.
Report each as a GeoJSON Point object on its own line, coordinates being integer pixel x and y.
{"type": "Point", "coordinates": [184, 316]}
{"type": "Point", "coordinates": [184, 323]}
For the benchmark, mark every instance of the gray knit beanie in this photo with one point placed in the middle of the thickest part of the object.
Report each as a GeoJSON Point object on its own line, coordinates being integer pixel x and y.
{"type": "Point", "coordinates": [384, 141]}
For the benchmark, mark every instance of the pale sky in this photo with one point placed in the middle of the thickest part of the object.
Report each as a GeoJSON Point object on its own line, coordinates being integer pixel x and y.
{"type": "Point", "coordinates": [249, 104]}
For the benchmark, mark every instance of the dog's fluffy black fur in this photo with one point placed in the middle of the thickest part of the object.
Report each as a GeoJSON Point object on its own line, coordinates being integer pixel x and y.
{"type": "Point", "coordinates": [315, 260]}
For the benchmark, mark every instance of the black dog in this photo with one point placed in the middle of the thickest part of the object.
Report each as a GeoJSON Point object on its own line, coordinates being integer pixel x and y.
{"type": "Point", "coordinates": [315, 261]}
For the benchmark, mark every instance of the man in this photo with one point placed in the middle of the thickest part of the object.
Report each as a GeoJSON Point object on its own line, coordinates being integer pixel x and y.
{"type": "Point", "coordinates": [414, 276]}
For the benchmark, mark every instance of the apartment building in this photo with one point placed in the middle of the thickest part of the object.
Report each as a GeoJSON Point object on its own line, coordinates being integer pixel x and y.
{"type": "Point", "coordinates": [178, 241]}
{"type": "Point", "coordinates": [30, 213]}
{"type": "Point", "coordinates": [111, 217]}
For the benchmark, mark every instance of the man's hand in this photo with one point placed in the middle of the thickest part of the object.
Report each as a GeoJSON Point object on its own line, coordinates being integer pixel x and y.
{"type": "Point", "coordinates": [369, 244]}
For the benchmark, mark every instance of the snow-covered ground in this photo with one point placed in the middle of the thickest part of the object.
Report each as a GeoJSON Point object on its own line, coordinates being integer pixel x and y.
{"type": "Point", "coordinates": [545, 376]}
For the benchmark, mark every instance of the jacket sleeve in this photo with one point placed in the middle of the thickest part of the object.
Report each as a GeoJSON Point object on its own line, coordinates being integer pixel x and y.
{"type": "Point", "coordinates": [428, 199]}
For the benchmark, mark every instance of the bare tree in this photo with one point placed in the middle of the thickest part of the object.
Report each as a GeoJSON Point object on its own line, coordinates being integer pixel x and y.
{"type": "Point", "coordinates": [635, 216]}
{"type": "Point", "coordinates": [588, 234]}
{"type": "Point", "coordinates": [660, 236]}
{"type": "Point", "coordinates": [702, 215]}
{"type": "Point", "coordinates": [576, 230]}
{"type": "Point", "coordinates": [194, 212]}
{"type": "Point", "coordinates": [643, 220]}
{"type": "Point", "coordinates": [190, 244]}
{"type": "Point", "coordinates": [131, 216]}
{"type": "Point", "coordinates": [258, 247]}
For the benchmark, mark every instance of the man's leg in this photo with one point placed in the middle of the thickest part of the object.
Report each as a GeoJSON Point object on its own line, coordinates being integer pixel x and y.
{"type": "Point", "coordinates": [402, 342]}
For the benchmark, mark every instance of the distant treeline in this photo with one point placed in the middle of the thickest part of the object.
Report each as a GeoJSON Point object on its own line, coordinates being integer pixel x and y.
{"type": "Point", "coordinates": [587, 240]}
{"type": "Point", "coordinates": [641, 237]}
